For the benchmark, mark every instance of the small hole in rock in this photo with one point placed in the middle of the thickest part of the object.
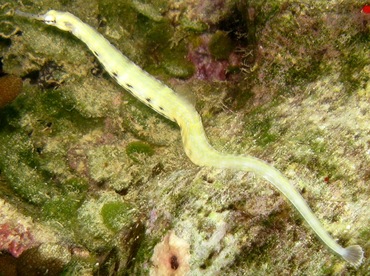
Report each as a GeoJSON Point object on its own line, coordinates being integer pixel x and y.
{"type": "Point", "coordinates": [174, 262]}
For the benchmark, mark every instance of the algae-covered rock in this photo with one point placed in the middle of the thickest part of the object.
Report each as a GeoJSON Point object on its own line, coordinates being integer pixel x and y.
{"type": "Point", "coordinates": [94, 182]}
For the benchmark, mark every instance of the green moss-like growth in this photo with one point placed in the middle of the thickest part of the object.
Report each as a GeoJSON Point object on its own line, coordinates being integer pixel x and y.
{"type": "Point", "coordinates": [262, 130]}
{"type": "Point", "coordinates": [25, 181]}
{"type": "Point", "coordinates": [157, 34]}
{"type": "Point", "coordinates": [55, 141]}
{"type": "Point", "coordinates": [116, 215]}
{"type": "Point", "coordinates": [63, 210]}
{"type": "Point", "coordinates": [77, 186]}
{"type": "Point", "coordinates": [182, 69]}
{"type": "Point", "coordinates": [192, 25]}
{"type": "Point", "coordinates": [221, 45]}
{"type": "Point", "coordinates": [147, 10]}
{"type": "Point", "coordinates": [63, 207]}
{"type": "Point", "coordinates": [36, 131]}
{"type": "Point", "coordinates": [139, 147]}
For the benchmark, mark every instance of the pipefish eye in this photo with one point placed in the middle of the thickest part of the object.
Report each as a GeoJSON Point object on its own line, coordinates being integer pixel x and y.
{"type": "Point", "coordinates": [50, 20]}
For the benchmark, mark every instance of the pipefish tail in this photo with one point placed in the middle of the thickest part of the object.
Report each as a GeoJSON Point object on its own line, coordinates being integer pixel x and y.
{"type": "Point", "coordinates": [165, 101]}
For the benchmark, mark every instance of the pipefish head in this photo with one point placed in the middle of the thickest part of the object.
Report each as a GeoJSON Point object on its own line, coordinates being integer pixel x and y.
{"type": "Point", "coordinates": [61, 20]}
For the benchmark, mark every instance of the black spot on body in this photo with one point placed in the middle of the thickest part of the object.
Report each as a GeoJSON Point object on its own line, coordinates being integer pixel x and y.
{"type": "Point", "coordinates": [129, 85]}
{"type": "Point", "coordinates": [174, 262]}
{"type": "Point", "coordinates": [148, 100]}
{"type": "Point", "coordinates": [96, 54]}
{"type": "Point", "coordinates": [161, 108]}
{"type": "Point", "coordinates": [115, 74]}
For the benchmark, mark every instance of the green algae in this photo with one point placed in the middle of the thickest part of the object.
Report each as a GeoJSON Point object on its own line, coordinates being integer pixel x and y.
{"type": "Point", "coordinates": [62, 210]}
{"type": "Point", "coordinates": [139, 147]}
{"type": "Point", "coordinates": [76, 186]}
{"type": "Point", "coordinates": [220, 45]}
{"type": "Point", "coordinates": [182, 68]}
{"type": "Point", "coordinates": [147, 10]}
{"type": "Point", "coordinates": [193, 25]}
{"type": "Point", "coordinates": [26, 182]}
{"type": "Point", "coordinates": [116, 215]}
{"type": "Point", "coordinates": [99, 219]}
{"type": "Point", "coordinates": [262, 130]}
{"type": "Point", "coordinates": [36, 162]}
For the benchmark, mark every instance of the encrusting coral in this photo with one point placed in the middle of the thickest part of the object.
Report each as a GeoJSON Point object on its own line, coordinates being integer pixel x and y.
{"type": "Point", "coordinates": [171, 257]}
{"type": "Point", "coordinates": [295, 93]}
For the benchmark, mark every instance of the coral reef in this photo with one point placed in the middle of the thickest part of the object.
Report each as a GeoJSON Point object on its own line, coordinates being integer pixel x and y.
{"type": "Point", "coordinates": [94, 182]}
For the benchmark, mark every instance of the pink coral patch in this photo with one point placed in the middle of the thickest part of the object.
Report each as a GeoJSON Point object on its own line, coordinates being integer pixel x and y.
{"type": "Point", "coordinates": [15, 239]}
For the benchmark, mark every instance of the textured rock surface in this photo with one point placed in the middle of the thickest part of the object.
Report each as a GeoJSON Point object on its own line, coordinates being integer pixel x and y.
{"type": "Point", "coordinates": [107, 178]}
